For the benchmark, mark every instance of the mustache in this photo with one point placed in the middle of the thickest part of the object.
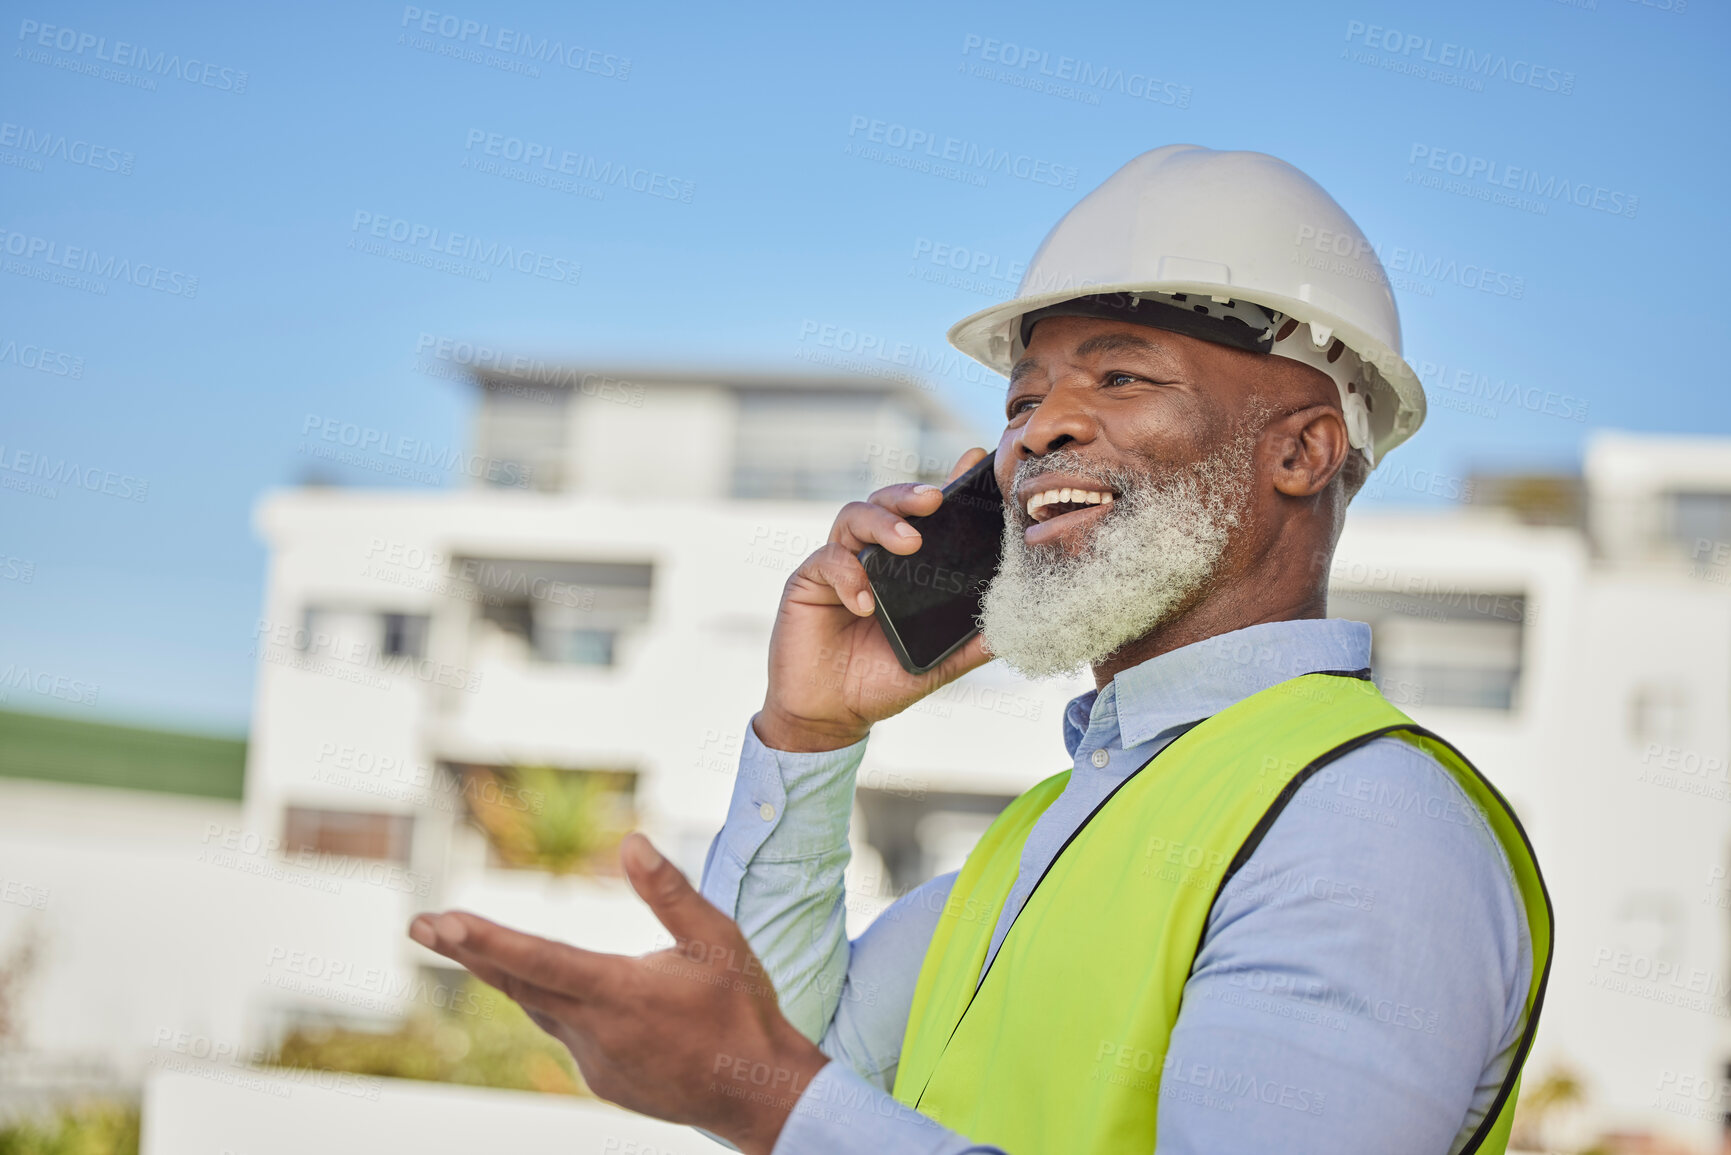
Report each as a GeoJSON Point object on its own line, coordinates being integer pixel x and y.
{"type": "Point", "coordinates": [1129, 484]}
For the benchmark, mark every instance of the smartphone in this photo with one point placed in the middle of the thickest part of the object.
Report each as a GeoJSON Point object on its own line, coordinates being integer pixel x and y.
{"type": "Point", "coordinates": [926, 601]}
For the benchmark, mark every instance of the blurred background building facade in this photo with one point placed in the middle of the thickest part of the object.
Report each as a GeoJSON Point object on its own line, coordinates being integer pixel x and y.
{"type": "Point", "coordinates": [465, 697]}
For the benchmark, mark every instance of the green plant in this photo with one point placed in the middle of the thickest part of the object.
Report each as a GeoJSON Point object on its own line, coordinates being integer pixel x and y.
{"type": "Point", "coordinates": [94, 1128]}
{"type": "Point", "coordinates": [563, 821]}
{"type": "Point", "coordinates": [1559, 1089]}
{"type": "Point", "coordinates": [491, 1043]}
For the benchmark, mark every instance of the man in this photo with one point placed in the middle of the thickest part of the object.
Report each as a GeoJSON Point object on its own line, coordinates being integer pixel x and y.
{"type": "Point", "coordinates": [1262, 911]}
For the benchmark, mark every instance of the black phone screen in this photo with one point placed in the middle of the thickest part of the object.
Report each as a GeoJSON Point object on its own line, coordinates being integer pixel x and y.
{"type": "Point", "coordinates": [927, 600]}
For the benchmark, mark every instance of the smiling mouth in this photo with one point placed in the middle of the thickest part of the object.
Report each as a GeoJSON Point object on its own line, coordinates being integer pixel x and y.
{"type": "Point", "coordinates": [1056, 515]}
{"type": "Point", "coordinates": [1055, 503]}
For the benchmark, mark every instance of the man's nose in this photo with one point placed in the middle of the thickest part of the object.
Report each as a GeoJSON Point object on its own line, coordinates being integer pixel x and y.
{"type": "Point", "coordinates": [1063, 416]}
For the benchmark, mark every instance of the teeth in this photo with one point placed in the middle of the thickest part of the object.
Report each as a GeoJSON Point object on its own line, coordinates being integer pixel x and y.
{"type": "Point", "coordinates": [1052, 496]}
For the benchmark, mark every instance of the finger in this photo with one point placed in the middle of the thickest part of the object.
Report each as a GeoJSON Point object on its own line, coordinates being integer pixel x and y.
{"type": "Point", "coordinates": [883, 519]}
{"type": "Point", "coordinates": [918, 498]}
{"type": "Point", "coordinates": [835, 570]}
{"type": "Point", "coordinates": [681, 909]}
{"type": "Point", "coordinates": [553, 966]}
{"type": "Point", "coordinates": [965, 462]}
{"type": "Point", "coordinates": [424, 931]}
{"type": "Point", "coordinates": [537, 1002]}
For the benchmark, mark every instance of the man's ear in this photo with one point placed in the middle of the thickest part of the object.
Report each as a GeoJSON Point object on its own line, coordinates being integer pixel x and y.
{"type": "Point", "coordinates": [1310, 448]}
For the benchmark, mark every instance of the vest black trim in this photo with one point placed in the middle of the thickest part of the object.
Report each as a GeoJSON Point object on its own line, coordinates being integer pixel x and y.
{"type": "Point", "coordinates": [1254, 839]}
{"type": "Point", "coordinates": [1276, 807]}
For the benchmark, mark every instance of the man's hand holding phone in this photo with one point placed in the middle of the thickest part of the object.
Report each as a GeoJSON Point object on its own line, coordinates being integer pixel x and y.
{"type": "Point", "coordinates": [832, 672]}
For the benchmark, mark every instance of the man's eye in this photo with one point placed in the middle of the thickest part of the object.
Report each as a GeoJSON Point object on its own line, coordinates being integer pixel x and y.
{"type": "Point", "coordinates": [1016, 406]}
{"type": "Point", "coordinates": [1119, 378]}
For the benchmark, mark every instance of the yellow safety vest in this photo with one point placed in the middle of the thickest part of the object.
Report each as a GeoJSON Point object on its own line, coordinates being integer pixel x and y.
{"type": "Point", "coordinates": [1060, 1048]}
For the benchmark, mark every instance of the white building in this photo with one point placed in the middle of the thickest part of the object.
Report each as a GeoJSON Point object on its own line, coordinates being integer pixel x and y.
{"type": "Point", "coordinates": [604, 608]}
{"type": "Point", "coordinates": [1589, 676]}
{"type": "Point", "coordinates": [599, 603]}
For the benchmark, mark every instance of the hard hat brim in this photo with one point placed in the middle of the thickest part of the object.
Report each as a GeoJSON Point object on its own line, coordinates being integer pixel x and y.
{"type": "Point", "coordinates": [986, 337]}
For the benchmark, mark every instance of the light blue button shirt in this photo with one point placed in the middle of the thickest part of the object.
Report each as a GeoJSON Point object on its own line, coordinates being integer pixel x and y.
{"type": "Point", "coordinates": [1361, 984]}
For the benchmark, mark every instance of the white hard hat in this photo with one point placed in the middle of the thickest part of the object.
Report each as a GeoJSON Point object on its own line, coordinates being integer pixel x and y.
{"type": "Point", "coordinates": [1188, 229]}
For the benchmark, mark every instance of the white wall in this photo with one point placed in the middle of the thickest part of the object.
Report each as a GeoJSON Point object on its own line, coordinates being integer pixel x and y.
{"type": "Point", "coordinates": [164, 919]}
{"type": "Point", "coordinates": [1640, 825]}
{"type": "Point", "coordinates": [223, 1109]}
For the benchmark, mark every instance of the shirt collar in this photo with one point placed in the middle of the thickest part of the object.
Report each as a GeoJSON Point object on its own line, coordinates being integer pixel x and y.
{"type": "Point", "coordinates": [1192, 682]}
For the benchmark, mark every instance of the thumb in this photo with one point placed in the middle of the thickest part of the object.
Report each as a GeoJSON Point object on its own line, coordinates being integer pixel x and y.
{"type": "Point", "coordinates": [668, 892]}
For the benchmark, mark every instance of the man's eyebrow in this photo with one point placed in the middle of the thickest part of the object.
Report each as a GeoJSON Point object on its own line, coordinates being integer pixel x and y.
{"type": "Point", "coordinates": [1021, 369]}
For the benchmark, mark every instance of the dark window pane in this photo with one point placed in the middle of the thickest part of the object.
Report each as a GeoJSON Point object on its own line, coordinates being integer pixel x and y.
{"type": "Point", "coordinates": [573, 612]}
{"type": "Point", "coordinates": [405, 635]}
{"type": "Point", "coordinates": [1698, 517]}
{"type": "Point", "coordinates": [578, 646]}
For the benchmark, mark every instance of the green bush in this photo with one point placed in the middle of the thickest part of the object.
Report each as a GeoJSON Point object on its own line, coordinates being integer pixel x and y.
{"type": "Point", "coordinates": [97, 1128]}
{"type": "Point", "coordinates": [490, 1044]}
{"type": "Point", "coordinates": [575, 824]}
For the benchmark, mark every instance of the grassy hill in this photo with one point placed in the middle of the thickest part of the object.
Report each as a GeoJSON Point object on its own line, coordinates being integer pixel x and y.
{"type": "Point", "coordinates": [57, 749]}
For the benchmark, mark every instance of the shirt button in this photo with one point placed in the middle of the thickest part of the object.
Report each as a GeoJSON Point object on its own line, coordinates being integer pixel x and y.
{"type": "Point", "coordinates": [1101, 757]}
{"type": "Point", "coordinates": [767, 811]}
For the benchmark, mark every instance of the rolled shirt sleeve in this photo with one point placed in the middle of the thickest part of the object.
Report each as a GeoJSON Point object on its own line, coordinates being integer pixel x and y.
{"type": "Point", "coordinates": [777, 868]}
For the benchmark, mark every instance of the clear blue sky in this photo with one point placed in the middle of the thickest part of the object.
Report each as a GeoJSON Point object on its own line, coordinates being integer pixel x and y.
{"type": "Point", "coordinates": [353, 108]}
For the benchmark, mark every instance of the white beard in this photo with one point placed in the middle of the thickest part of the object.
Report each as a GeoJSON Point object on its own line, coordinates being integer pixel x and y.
{"type": "Point", "coordinates": [1047, 613]}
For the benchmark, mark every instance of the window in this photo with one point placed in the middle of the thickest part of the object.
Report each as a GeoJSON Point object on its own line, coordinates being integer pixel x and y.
{"type": "Point", "coordinates": [334, 630]}
{"type": "Point", "coordinates": [1700, 517]}
{"type": "Point", "coordinates": [1658, 712]}
{"type": "Point", "coordinates": [521, 436]}
{"type": "Point", "coordinates": [356, 635]}
{"type": "Point", "coordinates": [1446, 646]}
{"type": "Point", "coordinates": [803, 445]}
{"type": "Point", "coordinates": [405, 635]}
{"type": "Point", "coordinates": [355, 834]}
{"type": "Point", "coordinates": [920, 834]}
{"type": "Point", "coordinates": [575, 645]}
{"type": "Point", "coordinates": [570, 612]}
